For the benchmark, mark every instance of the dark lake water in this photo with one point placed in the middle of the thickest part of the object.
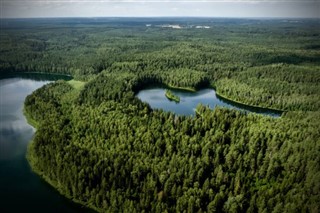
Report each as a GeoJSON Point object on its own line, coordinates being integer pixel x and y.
{"type": "Point", "coordinates": [20, 189]}
{"type": "Point", "coordinates": [156, 98]}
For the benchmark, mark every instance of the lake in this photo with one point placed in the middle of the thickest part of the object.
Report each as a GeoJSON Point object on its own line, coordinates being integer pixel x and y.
{"type": "Point", "coordinates": [21, 190]}
{"type": "Point", "coordinates": [156, 98]}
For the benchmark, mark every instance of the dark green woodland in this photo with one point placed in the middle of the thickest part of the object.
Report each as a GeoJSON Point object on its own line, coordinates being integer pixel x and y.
{"type": "Point", "coordinates": [99, 145]}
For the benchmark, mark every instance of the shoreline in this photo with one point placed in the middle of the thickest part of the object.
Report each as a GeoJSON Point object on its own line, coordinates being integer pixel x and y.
{"type": "Point", "coordinates": [41, 73]}
{"type": "Point", "coordinates": [248, 105]}
{"type": "Point", "coordinates": [31, 161]}
{"type": "Point", "coordinates": [224, 98]}
{"type": "Point", "coordinates": [189, 89]}
{"type": "Point", "coordinates": [172, 97]}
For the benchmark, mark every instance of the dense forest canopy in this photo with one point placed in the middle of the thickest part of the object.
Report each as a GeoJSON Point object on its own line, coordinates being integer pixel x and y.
{"type": "Point", "coordinates": [101, 146]}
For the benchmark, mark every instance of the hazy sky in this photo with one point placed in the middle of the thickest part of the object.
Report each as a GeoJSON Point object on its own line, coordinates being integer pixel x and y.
{"type": "Point", "coordinates": [142, 8]}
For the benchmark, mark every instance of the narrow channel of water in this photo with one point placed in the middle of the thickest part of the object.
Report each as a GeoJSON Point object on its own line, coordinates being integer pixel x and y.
{"type": "Point", "coordinates": [21, 190]}
{"type": "Point", "coordinates": [156, 98]}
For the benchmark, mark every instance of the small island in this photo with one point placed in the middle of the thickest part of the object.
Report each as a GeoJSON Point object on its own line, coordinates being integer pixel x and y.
{"type": "Point", "coordinates": [172, 97]}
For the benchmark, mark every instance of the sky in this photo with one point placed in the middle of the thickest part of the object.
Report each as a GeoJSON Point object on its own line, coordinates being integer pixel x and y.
{"type": "Point", "coordinates": [159, 8]}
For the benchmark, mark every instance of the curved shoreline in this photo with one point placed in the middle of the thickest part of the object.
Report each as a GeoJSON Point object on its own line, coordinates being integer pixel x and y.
{"type": "Point", "coordinates": [219, 96]}
{"type": "Point", "coordinates": [30, 120]}
{"type": "Point", "coordinates": [31, 160]}
{"type": "Point", "coordinates": [224, 98]}
{"type": "Point", "coordinates": [52, 183]}
{"type": "Point", "coordinates": [55, 185]}
{"type": "Point", "coordinates": [227, 99]}
{"type": "Point", "coordinates": [171, 97]}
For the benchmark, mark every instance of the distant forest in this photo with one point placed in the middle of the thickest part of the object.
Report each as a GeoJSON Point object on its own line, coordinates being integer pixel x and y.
{"type": "Point", "coordinates": [100, 146]}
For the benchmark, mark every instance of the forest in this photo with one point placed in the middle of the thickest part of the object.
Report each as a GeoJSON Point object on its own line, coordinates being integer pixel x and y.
{"type": "Point", "coordinates": [100, 146]}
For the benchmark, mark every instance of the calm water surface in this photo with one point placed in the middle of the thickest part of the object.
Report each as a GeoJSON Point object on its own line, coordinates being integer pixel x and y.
{"type": "Point", "coordinates": [20, 189]}
{"type": "Point", "coordinates": [155, 97]}
{"type": "Point", "coordinates": [23, 191]}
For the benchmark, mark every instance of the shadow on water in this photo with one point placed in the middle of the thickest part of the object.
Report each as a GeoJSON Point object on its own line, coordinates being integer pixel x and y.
{"type": "Point", "coordinates": [155, 97]}
{"type": "Point", "coordinates": [259, 110]}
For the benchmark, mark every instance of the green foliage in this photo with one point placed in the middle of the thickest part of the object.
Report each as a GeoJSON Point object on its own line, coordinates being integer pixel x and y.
{"type": "Point", "coordinates": [101, 146]}
{"type": "Point", "coordinates": [46, 101]}
{"type": "Point", "coordinates": [281, 86]}
{"type": "Point", "coordinates": [118, 155]}
{"type": "Point", "coordinates": [172, 97]}
{"type": "Point", "coordinates": [76, 84]}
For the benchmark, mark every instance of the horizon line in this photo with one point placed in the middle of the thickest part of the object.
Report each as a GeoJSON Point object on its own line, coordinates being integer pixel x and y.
{"type": "Point", "coordinates": [226, 17]}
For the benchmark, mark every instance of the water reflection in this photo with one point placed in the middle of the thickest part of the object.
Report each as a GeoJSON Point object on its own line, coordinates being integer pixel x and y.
{"type": "Point", "coordinates": [155, 97]}
{"type": "Point", "coordinates": [14, 131]}
{"type": "Point", "coordinates": [20, 189]}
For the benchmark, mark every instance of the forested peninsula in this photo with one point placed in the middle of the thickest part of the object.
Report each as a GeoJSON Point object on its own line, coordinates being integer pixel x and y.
{"type": "Point", "coordinates": [100, 146]}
